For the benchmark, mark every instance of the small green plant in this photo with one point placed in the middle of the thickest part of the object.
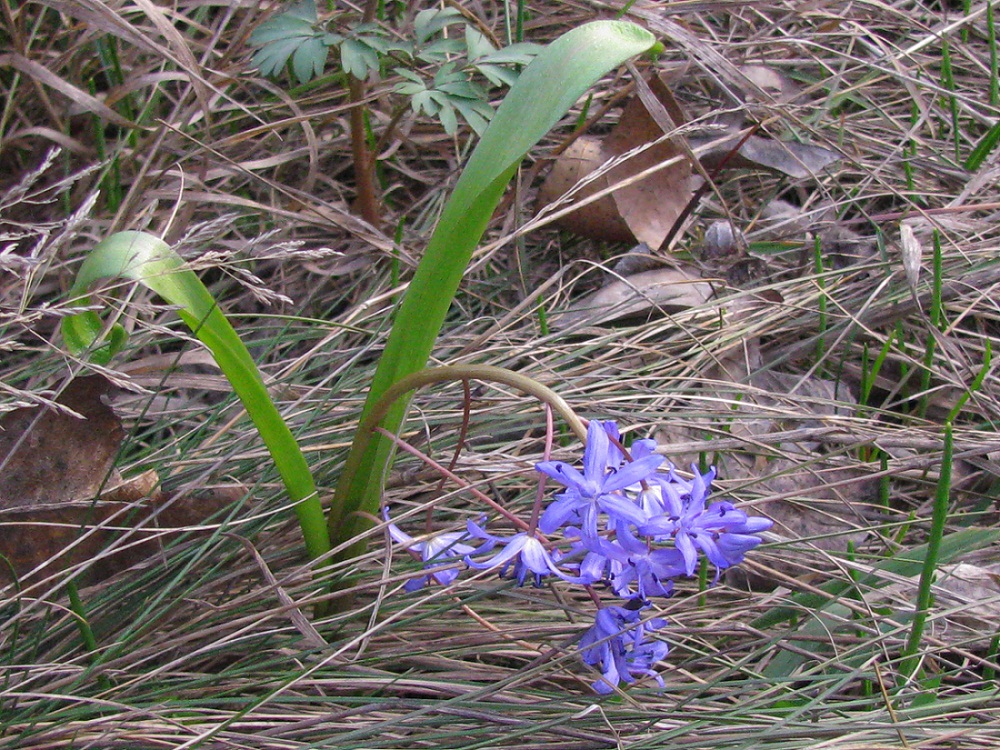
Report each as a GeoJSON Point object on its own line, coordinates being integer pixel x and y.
{"type": "Point", "coordinates": [466, 62]}
{"type": "Point", "coordinates": [298, 39]}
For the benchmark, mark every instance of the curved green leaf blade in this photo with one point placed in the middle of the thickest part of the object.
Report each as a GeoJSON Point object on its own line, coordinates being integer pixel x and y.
{"type": "Point", "coordinates": [543, 93]}
{"type": "Point", "coordinates": [147, 259]}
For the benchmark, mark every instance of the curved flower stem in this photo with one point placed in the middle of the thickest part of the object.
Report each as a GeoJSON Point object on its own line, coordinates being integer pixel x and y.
{"type": "Point", "coordinates": [428, 376]}
{"type": "Point", "coordinates": [431, 375]}
{"type": "Point", "coordinates": [536, 510]}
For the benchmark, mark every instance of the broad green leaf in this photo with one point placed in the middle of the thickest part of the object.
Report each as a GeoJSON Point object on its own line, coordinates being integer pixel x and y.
{"type": "Point", "coordinates": [309, 59]}
{"type": "Point", "coordinates": [427, 23]}
{"type": "Point", "coordinates": [545, 91]}
{"type": "Point", "coordinates": [149, 260]}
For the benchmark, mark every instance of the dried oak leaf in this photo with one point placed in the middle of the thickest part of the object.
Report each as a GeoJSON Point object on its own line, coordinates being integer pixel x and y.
{"type": "Point", "coordinates": [62, 502]}
{"type": "Point", "coordinates": [642, 293]}
{"type": "Point", "coordinates": [643, 209]}
{"type": "Point", "coordinates": [51, 455]}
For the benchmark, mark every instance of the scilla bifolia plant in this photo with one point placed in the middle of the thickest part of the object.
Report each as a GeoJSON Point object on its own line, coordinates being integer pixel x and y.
{"type": "Point", "coordinates": [594, 517]}
{"type": "Point", "coordinates": [545, 91]}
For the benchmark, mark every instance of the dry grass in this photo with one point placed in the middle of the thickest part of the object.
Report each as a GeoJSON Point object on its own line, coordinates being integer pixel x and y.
{"type": "Point", "coordinates": [214, 643]}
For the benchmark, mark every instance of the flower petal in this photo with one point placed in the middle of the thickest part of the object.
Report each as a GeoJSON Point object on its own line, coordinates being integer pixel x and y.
{"type": "Point", "coordinates": [632, 473]}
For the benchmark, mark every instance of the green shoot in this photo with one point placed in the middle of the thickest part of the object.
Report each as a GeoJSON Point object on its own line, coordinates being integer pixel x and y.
{"type": "Point", "coordinates": [977, 382]}
{"type": "Point", "coordinates": [948, 83]}
{"type": "Point", "coordinates": [984, 148]}
{"type": "Point", "coordinates": [991, 34]}
{"type": "Point", "coordinates": [822, 302]}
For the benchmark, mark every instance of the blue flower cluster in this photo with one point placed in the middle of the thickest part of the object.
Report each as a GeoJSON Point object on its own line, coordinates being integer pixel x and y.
{"type": "Point", "coordinates": [621, 522]}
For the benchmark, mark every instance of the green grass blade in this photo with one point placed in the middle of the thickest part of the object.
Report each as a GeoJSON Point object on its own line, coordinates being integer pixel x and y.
{"type": "Point", "coordinates": [939, 518]}
{"type": "Point", "coordinates": [150, 261]}
{"type": "Point", "coordinates": [543, 93]}
{"type": "Point", "coordinates": [983, 148]}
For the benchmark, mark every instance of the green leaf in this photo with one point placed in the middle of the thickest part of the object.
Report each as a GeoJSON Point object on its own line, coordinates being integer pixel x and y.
{"type": "Point", "coordinates": [545, 91]}
{"type": "Point", "coordinates": [440, 51]}
{"type": "Point", "coordinates": [357, 58]}
{"type": "Point", "coordinates": [477, 113]}
{"type": "Point", "coordinates": [521, 53]}
{"type": "Point", "coordinates": [496, 74]}
{"type": "Point", "coordinates": [427, 23]}
{"type": "Point", "coordinates": [446, 114]}
{"type": "Point", "coordinates": [271, 59]}
{"type": "Point", "coordinates": [281, 28]}
{"type": "Point", "coordinates": [292, 35]}
{"type": "Point", "coordinates": [304, 10]}
{"type": "Point", "coordinates": [476, 44]}
{"type": "Point", "coordinates": [150, 261]}
{"type": "Point", "coordinates": [307, 48]}
{"type": "Point", "coordinates": [309, 59]}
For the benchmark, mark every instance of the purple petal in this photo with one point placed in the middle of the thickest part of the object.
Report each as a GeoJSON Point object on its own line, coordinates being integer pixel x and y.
{"type": "Point", "coordinates": [534, 556]}
{"type": "Point", "coordinates": [622, 509]}
{"type": "Point", "coordinates": [563, 473]}
{"type": "Point", "coordinates": [632, 473]}
{"type": "Point", "coordinates": [558, 513]}
{"type": "Point", "coordinates": [595, 455]}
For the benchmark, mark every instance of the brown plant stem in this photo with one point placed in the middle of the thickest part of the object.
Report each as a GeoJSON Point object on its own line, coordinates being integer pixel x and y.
{"type": "Point", "coordinates": [368, 203]}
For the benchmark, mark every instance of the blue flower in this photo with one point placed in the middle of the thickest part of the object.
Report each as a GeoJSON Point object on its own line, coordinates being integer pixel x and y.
{"type": "Point", "coordinates": [635, 562]}
{"type": "Point", "coordinates": [718, 530]}
{"type": "Point", "coordinates": [433, 551]}
{"type": "Point", "coordinates": [600, 488]}
{"type": "Point", "coordinates": [617, 645]}
{"type": "Point", "coordinates": [523, 550]}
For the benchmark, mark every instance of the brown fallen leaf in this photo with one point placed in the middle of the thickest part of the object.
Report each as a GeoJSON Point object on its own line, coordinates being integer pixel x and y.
{"type": "Point", "coordinates": [798, 160]}
{"type": "Point", "coordinates": [639, 209]}
{"type": "Point", "coordinates": [599, 219]}
{"type": "Point", "coordinates": [640, 293]}
{"type": "Point", "coordinates": [120, 529]}
{"type": "Point", "coordinates": [63, 503]}
{"type": "Point", "coordinates": [50, 455]}
{"type": "Point", "coordinates": [782, 89]}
